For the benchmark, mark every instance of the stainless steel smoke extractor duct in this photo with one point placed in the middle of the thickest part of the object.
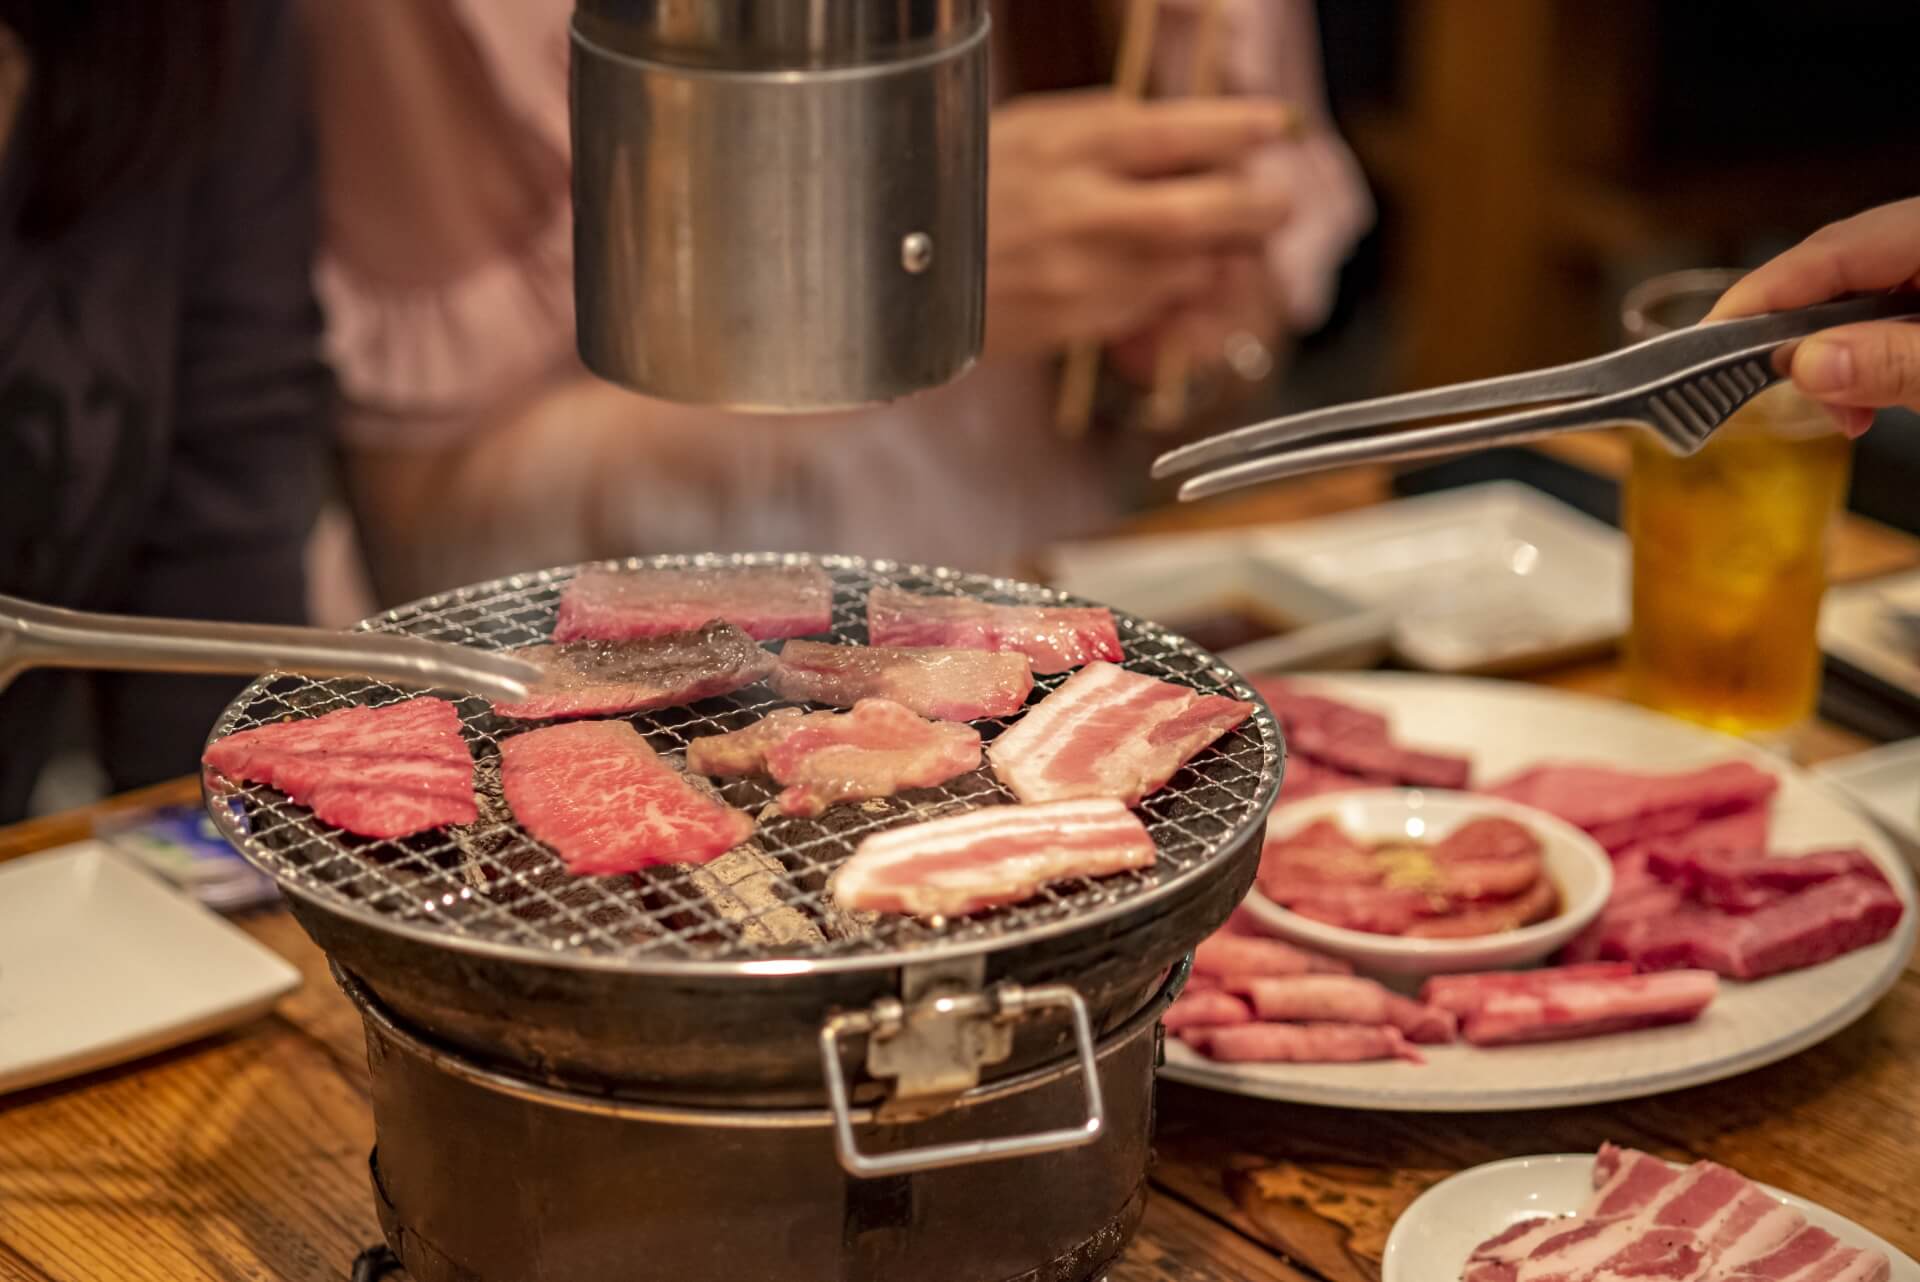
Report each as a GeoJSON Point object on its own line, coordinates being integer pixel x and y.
{"type": "Point", "coordinates": [779, 204]}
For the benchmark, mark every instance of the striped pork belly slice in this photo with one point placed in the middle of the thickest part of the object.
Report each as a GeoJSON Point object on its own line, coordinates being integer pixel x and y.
{"type": "Point", "coordinates": [605, 678]}
{"type": "Point", "coordinates": [1571, 1008]}
{"type": "Point", "coordinates": [389, 771]}
{"type": "Point", "coordinates": [1108, 732]}
{"type": "Point", "coordinates": [764, 601]}
{"type": "Point", "coordinates": [1343, 999]}
{"type": "Point", "coordinates": [1810, 1255]}
{"type": "Point", "coordinates": [996, 855]}
{"type": "Point", "coordinates": [1463, 994]}
{"type": "Point", "coordinates": [946, 684]}
{"type": "Point", "coordinates": [1055, 638]}
{"type": "Point", "coordinates": [1242, 956]}
{"type": "Point", "coordinates": [599, 795]}
{"type": "Point", "coordinates": [823, 758]}
{"type": "Point", "coordinates": [1648, 1221]}
{"type": "Point", "coordinates": [1263, 1043]}
{"type": "Point", "coordinates": [1205, 1008]}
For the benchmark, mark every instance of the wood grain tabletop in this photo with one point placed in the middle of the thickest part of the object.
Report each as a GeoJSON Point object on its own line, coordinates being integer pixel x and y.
{"type": "Point", "coordinates": [244, 1156]}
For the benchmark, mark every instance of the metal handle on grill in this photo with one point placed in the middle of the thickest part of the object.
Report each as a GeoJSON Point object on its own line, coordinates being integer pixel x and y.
{"type": "Point", "coordinates": [44, 636]}
{"type": "Point", "coordinates": [1005, 1001]}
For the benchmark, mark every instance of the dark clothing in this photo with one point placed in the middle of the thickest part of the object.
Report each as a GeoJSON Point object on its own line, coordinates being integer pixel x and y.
{"type": "Point", "coordinates": [163, 409]}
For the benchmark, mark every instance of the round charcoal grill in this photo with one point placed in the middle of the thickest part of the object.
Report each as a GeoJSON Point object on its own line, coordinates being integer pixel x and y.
{"type": "Point", "coordinates": [715, 1069]}
{"type": "Point", "coordinates": [706, 982]}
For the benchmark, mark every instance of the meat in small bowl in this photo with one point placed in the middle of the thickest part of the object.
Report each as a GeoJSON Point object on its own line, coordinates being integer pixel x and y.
{"type": "Point", "coordinates": [1412, 882]}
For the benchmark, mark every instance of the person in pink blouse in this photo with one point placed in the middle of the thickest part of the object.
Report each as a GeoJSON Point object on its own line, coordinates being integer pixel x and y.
{"type": "Point", "coordinates": [478, 445]}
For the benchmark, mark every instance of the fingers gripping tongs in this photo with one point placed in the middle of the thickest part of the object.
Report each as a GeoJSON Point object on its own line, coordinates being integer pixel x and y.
{"type": "Point", "coordinates": [1681, 386]}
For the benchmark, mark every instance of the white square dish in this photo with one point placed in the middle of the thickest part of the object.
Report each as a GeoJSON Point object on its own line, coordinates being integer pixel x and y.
{"type": "Point", "coordinates": [1186, 582]}
{"type": "Point", "coordinates": [1486, 578]}
{"type": "Point", "coordinates": [100, 963]}
{"type": "Point", "coordinates": [1859, 626]}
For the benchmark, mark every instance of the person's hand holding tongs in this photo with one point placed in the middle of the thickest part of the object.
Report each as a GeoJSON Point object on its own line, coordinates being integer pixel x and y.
{"type": "Point", "coordinates": [1681, 386]}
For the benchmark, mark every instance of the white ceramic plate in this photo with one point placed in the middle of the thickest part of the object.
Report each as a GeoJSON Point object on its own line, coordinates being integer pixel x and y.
{"type": "Point", "coordinates": [1433, 1238]}
{"type": "Point", "coordinates": [101, 963]}
{"type": "Point", "coordinates": [1886, 782]}
{"type": "Point", "coordinates": [1505, 727]}
{"type": "Point", "coordinates": [1575, 863]}
{"type": "Point", "coordinates": [1856, 625]}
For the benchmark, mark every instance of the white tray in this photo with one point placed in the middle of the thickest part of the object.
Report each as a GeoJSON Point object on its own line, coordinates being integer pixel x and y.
{"type": "Point", "coordinates": [1432, 1238]}
{"type": "Point", "coordinates": [100, 962]}
{"type": "Point", "coordinates": [1505, 727]}
{"type": "Point", "coordinates": [1491, 577]}
{"type": "Point", "coordinates": [1855, 627]}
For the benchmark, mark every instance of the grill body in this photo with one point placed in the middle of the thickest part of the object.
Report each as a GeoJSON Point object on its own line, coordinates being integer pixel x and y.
{"type": "Point", "coordinates": [482, 1177]}
{"type": "Point", "coordinates": [730, 1040]}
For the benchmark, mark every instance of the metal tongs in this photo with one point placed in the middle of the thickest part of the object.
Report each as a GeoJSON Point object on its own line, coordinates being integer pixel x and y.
{"type": "Point", "coordinates": [1681, 386]}
{"type": "Point", "coordinates": [43, 636]}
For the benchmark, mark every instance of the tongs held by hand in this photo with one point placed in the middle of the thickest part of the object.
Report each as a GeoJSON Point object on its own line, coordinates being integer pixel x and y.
{"type": "Point", "coordinates": [44, 636]}
{"type": "Point", "coordinates": [1682, 386]}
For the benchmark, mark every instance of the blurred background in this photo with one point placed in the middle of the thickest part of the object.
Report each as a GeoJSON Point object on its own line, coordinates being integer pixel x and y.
{"type": "Point", "coordinates": [1532, 159]}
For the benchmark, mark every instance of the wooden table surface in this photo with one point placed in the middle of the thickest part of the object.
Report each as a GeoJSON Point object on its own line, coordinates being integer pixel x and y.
{"type": "Point", "coordinates": [244, 1156]}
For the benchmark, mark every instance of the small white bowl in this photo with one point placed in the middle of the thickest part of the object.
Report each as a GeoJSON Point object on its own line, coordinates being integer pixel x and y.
{"type": "Point", "coordinates": [1574, 862]}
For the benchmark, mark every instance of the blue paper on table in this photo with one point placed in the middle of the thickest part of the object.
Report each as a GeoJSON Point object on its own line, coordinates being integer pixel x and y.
{"type": "Point", "coordinates": [181, 844]}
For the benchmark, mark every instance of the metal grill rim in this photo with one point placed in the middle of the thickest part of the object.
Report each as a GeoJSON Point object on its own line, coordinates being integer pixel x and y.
{"type": "Point", "coordinates": [319, 864]}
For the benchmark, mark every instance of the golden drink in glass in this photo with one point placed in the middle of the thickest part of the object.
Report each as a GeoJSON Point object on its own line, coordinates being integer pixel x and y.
{"type": "Point", "coordinates": [1730, 547]}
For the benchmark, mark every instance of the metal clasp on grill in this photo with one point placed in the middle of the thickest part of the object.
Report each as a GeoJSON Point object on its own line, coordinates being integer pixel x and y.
{"type": "Point", "coordinates": [933, 1044]}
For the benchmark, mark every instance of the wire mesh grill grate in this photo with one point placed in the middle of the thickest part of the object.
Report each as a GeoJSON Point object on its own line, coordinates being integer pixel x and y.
{"type": "Point", "coordinates": [490, 884]}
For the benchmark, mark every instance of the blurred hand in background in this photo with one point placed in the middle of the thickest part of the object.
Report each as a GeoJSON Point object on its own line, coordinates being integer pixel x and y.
{"type": "Point", "coordinates": [1106, 217]}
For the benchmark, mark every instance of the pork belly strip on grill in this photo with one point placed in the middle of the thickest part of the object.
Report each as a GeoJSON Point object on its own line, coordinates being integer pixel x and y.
{"type": "Point", "coordinates": [823, 758]}
{"type": "Point", "coordinates": [599, 795]}
{"type": "Point", "coordinates": [1055, 638]}
{"type": "Point", "coordinates": [1261, 1043]}
{"type": "Point", "coordinates": [1647, 1220]}
{"type": "Point", "coordinates": [996, 855]}
{"type": "Point", "coordinates": [605, 678]}
{"type": "Point", "coordinates": [764, 601]}
{"type": "Point", "coordinates": [945, 684]}
{"type": "Point", "coordinates": [389, 771]}
{"type": "Point", "coordinates": [1342, 999]}
{"type": "Point", "coordinates": [1108, 732]}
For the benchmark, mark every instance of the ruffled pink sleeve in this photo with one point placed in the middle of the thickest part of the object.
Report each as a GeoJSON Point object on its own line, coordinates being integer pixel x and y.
{"type": "Point", "coordinates": [418, 360]}
{"type": "Point", "coordinates": [1273, 47]}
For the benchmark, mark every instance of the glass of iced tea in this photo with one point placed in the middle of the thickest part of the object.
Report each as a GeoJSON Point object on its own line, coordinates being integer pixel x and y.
{"type": "Point", "coordinates": [1730, 546]}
